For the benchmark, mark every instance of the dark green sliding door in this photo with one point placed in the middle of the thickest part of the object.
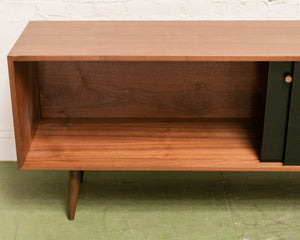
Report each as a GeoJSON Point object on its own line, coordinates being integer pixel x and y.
{"type": "Point", "coordinates": [277, 111]}
{"type": "Point", "coordinates": [292, 150]}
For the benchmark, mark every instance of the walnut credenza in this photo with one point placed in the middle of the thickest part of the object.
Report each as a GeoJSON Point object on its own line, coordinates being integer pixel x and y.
{"type": "Point", "coordinates": [156, 96]}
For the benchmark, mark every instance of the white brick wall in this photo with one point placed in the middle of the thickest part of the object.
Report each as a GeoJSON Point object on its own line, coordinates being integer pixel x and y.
{"type": "Point", "coordinates": [14, 14]}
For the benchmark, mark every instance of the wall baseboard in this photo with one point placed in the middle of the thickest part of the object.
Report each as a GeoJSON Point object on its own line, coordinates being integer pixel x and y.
{"type": "Point", "coordinates": [7, 146]}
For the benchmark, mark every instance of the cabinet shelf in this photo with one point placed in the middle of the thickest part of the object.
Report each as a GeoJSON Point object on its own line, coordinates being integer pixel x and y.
{"type": "Point", "coordinates": [148, 144]}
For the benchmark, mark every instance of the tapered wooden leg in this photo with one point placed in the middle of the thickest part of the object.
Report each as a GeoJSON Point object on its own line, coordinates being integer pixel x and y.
{"type": "Point", "coordinates": [74, 182]}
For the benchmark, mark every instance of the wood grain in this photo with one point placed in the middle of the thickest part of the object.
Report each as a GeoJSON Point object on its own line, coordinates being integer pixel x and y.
{"type": "Point", "coordinates": [25, 103]}
{"type": "Point", "coordinates": [147, 144]}
{"type": "Point", "coordinates": [74, 184]}
{"type": "Point", "coordinates": [152, 89]}
{"type": "Point", "coordinates": [83, 77]}
{"type": "Point", "coordinates": [159, 41]}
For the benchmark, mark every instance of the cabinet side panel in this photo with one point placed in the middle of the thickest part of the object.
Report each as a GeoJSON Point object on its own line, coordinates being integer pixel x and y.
{"type": "Point", "coordinates": [292, 153]}
{"type": "Point", "coordinates": [276, 112]}
{"type": "Point", "coordinates": [25, 104]}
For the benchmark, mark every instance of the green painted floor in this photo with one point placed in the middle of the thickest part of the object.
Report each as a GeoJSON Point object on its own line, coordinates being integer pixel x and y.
{"type": "Point", "coordinates": [150, 205]}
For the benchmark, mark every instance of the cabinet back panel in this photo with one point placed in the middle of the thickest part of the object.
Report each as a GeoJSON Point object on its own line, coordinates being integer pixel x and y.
{"type": "Point", "coordinates": [152, 89]}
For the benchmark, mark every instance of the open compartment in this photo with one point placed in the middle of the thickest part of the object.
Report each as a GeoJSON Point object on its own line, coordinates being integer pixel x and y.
{"type": "Point", "coordinates": [142, 115]}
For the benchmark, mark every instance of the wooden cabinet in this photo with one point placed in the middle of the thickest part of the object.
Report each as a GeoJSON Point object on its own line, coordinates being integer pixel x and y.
{"type": "Point", "coordinates": [188, 96]}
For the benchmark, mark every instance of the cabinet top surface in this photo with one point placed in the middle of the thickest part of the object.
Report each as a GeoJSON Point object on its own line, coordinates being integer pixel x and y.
{"type": "Point", "coordinates": [159, 41]}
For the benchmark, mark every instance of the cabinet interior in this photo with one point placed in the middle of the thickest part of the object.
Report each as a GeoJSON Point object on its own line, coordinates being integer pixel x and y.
{"type": "Point", "coordinates": [144, 115]}
{"type": "Point", "coordinates": [152, 89]}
